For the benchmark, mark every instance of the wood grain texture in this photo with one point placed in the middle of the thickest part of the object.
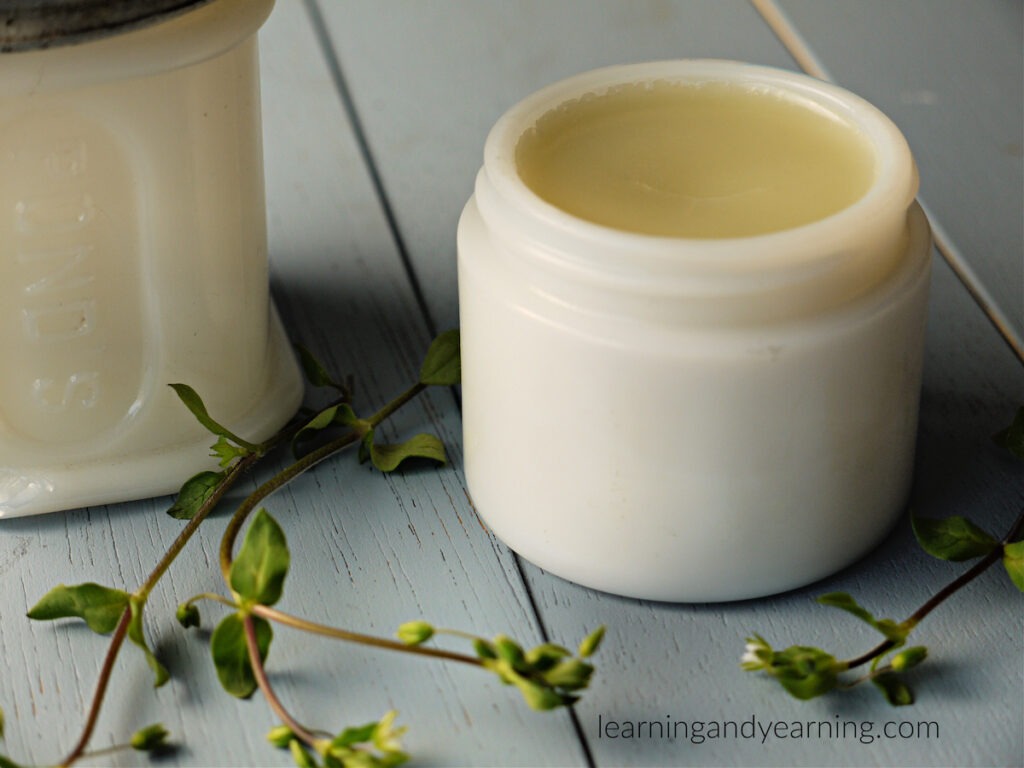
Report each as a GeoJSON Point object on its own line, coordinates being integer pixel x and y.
{"type": "Point", "coordinates": [420, 99]}
{"type": "Point", "coordinates": [426, 80]}
{"type": "Point", "coordinates": [369, 552]}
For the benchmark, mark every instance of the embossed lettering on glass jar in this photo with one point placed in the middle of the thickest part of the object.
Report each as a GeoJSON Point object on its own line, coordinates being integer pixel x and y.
{"type": "Point", "coordinates": [692, 299]}
{"type": "Point", "coordinates": [132, 246]}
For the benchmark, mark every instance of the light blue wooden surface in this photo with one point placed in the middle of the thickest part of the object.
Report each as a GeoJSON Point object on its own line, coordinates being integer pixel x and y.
{"type": "Point", "coordinates": [364, 190]}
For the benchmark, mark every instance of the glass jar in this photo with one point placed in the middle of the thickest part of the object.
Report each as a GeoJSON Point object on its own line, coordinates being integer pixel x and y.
{"type": "Point", "coordinates": [715, 415]}
{"type": "Point", "coordinates": [132, 247]}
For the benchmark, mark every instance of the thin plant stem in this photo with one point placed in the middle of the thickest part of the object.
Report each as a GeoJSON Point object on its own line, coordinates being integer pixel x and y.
{"type": "Point", "coordinates": [120, 632]}
{"type": "Point", "coordinates": [256, 661]}
{"type": "Point", "coordinates": [116, 641]}
{"type": "Point", "coordinates": [302, 465]}
{"type": "Point", "coordinates": [282, 478]}
{"type": "Point", "coordinates": [994, 556]}
{"type": "Point", "coordinates": [295, 622]}
{"type": "Point", "coordinates": [397, 403]}
{"type": "Point", "coordinates": [231, 476]}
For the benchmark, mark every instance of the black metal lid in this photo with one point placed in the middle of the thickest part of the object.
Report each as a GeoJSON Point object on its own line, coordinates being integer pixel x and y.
{"type": "Point", "coordinates": [32, 24]}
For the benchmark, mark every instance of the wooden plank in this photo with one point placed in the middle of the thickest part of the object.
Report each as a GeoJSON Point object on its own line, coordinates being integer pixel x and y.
{"type": "Point", "coordinates": [682, 661]}
{"type": "Point", "coordinates": [428, 80]}
{"type": "Point", "coordinates": [369, 552]}
{"type": "Point", "coordinates": [951, 74]}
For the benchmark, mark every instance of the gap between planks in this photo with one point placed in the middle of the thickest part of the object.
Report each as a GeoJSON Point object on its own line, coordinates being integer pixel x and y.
{"type": "Point", "coordinates": [348, 104]}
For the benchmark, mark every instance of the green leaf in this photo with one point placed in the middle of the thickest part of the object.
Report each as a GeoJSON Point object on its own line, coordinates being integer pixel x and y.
{"type": "Point", "coordinates": [196, 491]}
{"type": "Point", "coordinates": [280, 736]}
{"type": "Point", "coordinates": [483, 649]}
{"type": "Point", "coordinates": [591, 643]}
{"type": "Point", "coordinates": [136, 635]}
{"type": "Point", "coordinates": [952, 538]}
{"type": "Point", "coordinates": [804, 672]}
{"type": "Point", "coordinates": [892, 630]}
{"type": "Point", "coordinates": [354, 735]}
{"type": "Point", "coordinates": [301, 757]}
{"type": "Point", "coordinates": [569, 675]}
{"type": "Point", "coordinates": [541, 697]}
{"type": "Point", "coordinates": [1013, 560]}
{"type": "Point", "coordinates": [6, 762]}
{"type": "Point", "coordinates": [1012, 438]}
{"type": "Point", "coordinates": [231, 654]}
{"type": "Point", "coordinates": [100, 607]}
{"type": "Point", "coordinates": [509, 651]}
{"type": "Point", "coordinates": [415, 632]}
{"type": "Point", "coordinates": [387, 458]}
{"type": "Point", "coordinates": [896, 692]}
{"type": "Point", "coordinates": [316, 373]}
{"type": "Point", "coordinates": [545, 657]}
{"type": "Point", "coordinates": [386, 737]}
{"type": "Point", "coordinates": [366, 446]}
{"type": "Point", "coordinates": [353, 747]}
{"type": "Point", "coordinates": [226, 451]}
{"type": "Point", "coordinates": [335, 414]}
{"type": "Point", "coordinates": [442, 365]}
{"type": "Point", "coordinates": [195, 404]}
{"type": "Point", "coordinates": [847, 603]}
{"type": "Point", "coordinates": [320, 421]}
{"type": "Point", "coordinates": [188, 615]}
{"type": "Point", "coordinates": [150, 739]}
{"type": "Point", "coordinates": [258, 573]}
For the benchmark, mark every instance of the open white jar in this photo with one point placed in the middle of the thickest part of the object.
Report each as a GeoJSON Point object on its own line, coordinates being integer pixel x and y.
{"type": "Point", "coordinates": [132, 247]}
{"type": "Point", "coordinates": [687, 388]}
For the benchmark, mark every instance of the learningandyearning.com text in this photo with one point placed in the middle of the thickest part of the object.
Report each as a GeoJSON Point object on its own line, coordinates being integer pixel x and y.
{"type": "Point", "coordinates": [754, 728]}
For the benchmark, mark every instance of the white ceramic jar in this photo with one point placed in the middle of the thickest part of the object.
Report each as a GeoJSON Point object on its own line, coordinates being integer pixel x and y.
{"type": "Point", "coordinates": [132, 247]}
{"type": "Point", "coordinates": [691, 418]}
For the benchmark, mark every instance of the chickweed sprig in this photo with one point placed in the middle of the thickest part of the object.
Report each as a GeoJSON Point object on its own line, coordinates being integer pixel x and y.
{"type": "Point", "coordinates": [548, 676]}
{"type": "Point", "coordinates": [806, 672]}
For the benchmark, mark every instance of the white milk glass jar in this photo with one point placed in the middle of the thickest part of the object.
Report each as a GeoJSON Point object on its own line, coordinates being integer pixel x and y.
{"type": "Point", "coordinates": [692, 298]}
{"type": "Point", "coordinates": [132, 247]}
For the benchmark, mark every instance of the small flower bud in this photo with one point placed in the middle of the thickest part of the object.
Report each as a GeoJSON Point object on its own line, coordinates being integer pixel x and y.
{"type": "Point", "coordinates": [150, 738]}
{"type": "Point", "coordinates": [301, 757]}
{"type": "Point", "coordinates": [280, 736]}
{"type": "Point", "coordinates": [483, 649]}
{"type": "Point", "coordinates": [591, 642]}
{"type": "Point", "coordinates": [911, 657]}
{"type": "Point", "coordinates": [415, 632]}
{"type": "Point", "coordinates": [757, 654]}
{"type": "Point", "coordinates": [570, 674]}
{"type": "Point", "coordinates": [509, 650]}
{"type": "Point", "coordinates": [188, 615]}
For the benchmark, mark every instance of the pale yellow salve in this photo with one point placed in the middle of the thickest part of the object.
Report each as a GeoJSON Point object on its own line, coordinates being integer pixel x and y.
{"type": "Point", "coordinates": [701, 161]}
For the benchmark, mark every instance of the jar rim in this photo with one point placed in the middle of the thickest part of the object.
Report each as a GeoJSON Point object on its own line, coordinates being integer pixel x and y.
{"type": "Point", "coordinates": [885, 201]}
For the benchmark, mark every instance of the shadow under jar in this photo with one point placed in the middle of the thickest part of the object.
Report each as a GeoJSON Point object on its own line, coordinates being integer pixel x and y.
{"type": "Point", "coordinates": [692, 299]}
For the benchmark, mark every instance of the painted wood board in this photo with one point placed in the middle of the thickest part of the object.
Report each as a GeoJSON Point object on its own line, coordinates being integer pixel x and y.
{"type": "Point", "coordinates": [369, 552]}
{"type": "Point", "coordinates": [951, 74]}
{"type": "Point", "coordinates": [382, 547]}
{"type": "Point", "coordinates": [966, 396]}
{"type": "Point", "coordinates": [429, 79]}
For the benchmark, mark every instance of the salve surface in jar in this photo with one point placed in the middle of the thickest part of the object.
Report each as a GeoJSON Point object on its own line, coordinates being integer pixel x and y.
{"type": "Point", "coordinates": [692, 300]}
{"type": "Point", "coordinates": [132, 247]}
